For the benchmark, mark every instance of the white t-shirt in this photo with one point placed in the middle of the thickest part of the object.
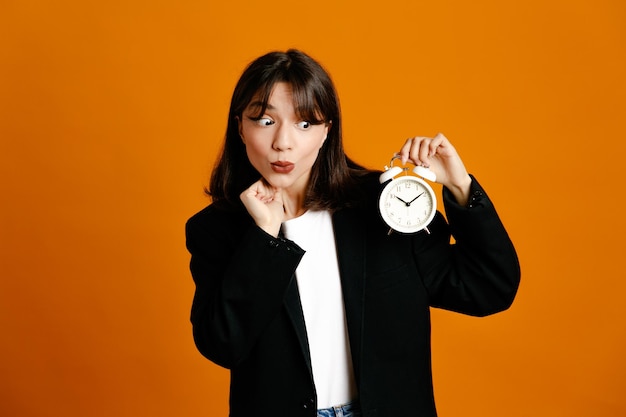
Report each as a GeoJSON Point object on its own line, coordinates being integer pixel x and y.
{"type": "Point", "coordinates": [322, 304]}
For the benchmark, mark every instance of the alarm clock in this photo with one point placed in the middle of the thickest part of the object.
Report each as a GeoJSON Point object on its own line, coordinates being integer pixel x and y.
{"type": "Point", "coordinates": [407, 203]}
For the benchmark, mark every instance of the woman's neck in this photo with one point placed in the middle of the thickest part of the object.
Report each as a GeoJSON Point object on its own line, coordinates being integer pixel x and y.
{"type": "Point", "coordinates": [293, 203]}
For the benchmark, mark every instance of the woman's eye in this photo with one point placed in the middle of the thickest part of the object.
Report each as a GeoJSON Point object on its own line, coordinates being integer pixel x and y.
{"type": "Point", "coordinates": [264, 121]}
{"type": "Point", "coordinates": [304, 125]}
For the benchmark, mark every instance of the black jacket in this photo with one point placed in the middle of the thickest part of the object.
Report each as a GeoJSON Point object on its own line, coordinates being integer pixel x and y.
{"type": "Point", "coordinates": [247, 317]}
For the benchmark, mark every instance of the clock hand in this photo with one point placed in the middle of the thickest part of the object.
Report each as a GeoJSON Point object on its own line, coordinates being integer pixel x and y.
{"type": "Point", "coordinates": [409, 203]}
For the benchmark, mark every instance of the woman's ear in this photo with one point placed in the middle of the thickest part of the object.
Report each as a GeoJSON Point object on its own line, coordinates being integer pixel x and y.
{"type": "Point", "coordinates": [240, 129]}
{"type": "Point", "coordinates": [329, 125]}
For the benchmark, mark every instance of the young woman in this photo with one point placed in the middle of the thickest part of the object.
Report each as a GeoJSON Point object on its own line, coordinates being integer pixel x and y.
{"type": "Point", "coordinates": [300, 290]}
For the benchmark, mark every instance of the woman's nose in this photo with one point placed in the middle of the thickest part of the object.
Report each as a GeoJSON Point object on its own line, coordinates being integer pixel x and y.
{"type": "Point", "coordinates": [282, 139]}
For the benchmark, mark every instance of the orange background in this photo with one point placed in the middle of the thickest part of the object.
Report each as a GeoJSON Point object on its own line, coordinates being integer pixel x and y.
{"type": "Point", "coordinates": [111, 114]}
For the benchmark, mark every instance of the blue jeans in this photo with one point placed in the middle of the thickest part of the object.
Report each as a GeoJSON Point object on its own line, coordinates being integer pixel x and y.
{"type": "Point", "coordinates": [346, 410]}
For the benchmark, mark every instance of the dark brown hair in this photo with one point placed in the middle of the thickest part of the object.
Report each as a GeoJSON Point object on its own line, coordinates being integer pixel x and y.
{"type": "Point", "coordinates": [333, 175]}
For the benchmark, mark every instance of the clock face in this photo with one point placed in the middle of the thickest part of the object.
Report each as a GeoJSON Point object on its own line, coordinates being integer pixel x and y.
{"type": "Point", "coordinates": [407, 204]}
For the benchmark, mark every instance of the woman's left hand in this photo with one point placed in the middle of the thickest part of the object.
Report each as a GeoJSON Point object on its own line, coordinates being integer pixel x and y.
{"type": "Point", "coordinates": [441, 157]}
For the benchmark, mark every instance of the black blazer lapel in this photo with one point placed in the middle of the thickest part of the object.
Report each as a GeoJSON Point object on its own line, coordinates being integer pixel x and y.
{"type": "Point", "coordinates": [350, 240]}
{"type": "Point", "coordinates": [294, 311]}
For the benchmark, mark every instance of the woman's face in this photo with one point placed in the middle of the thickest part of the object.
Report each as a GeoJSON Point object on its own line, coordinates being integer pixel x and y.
{"type": "Point", "coordinates": [281, 146]}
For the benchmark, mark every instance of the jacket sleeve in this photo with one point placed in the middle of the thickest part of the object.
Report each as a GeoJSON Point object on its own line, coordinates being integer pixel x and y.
{"type": "Point", "coordinates": [479, 274]}
{"type": "Point", "coordinates": [241, 281]}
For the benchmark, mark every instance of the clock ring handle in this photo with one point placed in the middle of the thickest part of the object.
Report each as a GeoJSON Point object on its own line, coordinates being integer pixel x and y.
{"type": "Point", "coordinates": [392, 171]}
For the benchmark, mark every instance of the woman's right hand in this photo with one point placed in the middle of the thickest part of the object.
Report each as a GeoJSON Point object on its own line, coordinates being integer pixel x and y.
{"type": "Point", "coordinates": [265, 204]}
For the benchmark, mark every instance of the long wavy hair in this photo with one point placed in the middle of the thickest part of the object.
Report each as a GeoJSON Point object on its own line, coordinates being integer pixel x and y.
{"type": "Point", "coordinates": [332, 181]}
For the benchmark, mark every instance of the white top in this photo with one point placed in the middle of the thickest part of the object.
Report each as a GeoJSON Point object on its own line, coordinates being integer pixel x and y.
{"type": "Point", "coordinates": [322, 304]}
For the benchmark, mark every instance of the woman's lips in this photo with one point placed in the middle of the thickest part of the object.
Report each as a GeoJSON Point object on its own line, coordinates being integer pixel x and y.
{"type": "Point", "coordinates": [282, 167]}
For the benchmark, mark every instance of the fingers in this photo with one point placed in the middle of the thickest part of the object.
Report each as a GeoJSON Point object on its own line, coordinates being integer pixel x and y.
{"type": "Point", "coordinates": [264, 203]}
{"type": "Point", "coordinates": [261, 191]}
{"type": "Point", "coordinates": [420, 149]}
